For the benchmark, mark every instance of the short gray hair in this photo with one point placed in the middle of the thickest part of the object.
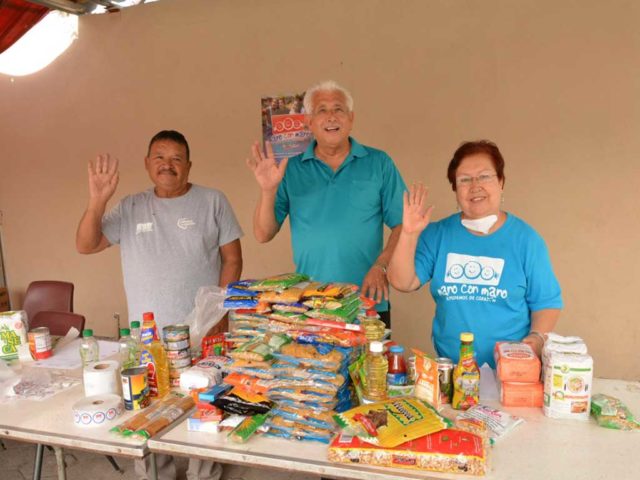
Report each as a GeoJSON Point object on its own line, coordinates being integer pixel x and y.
{"type": "Point", "coordinates": [326, 86]}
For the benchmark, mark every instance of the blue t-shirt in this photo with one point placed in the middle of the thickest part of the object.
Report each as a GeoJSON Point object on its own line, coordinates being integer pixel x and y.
{"type": "Point", "coordinates": [488, 285]}
{"type": "Point", "coordinates": [337, 217]}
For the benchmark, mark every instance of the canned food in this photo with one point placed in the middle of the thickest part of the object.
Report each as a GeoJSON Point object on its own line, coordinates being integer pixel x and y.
{"type": "Point", "coordinates": [135, 389]}
{"type": "Point", "coordinates": [175, 333]}
{"type": "Point", "coordinates": [177, 345]}
{"type": "Point", "coordinates": [175, 354]}
{"type": "Point", "coordinates": [412, 374]}
{"type": "Point", "coordinates": [445, 373]}
{"type": "Point", "coordinates": [179, 362]}
{"type": "Point", "coordinates": [40, 343]}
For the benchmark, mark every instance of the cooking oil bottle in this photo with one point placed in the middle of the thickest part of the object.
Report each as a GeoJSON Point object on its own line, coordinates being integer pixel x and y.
{"type": "Point", "coordinates": [154, 357]}
{"type": "Point", "coordinates": [377, 367]}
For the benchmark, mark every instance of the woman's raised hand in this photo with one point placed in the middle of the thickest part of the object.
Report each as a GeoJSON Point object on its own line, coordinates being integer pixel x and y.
{"type": "Point", "coordinates": [415, 213]}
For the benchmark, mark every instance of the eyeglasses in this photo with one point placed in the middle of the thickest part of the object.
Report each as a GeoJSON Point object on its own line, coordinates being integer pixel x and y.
{"type": "Point", "coordinates": [483, 179]}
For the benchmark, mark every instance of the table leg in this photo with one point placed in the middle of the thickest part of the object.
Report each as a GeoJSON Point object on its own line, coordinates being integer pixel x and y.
{"type": "Point", "coordinates": [37, 464]}
{"type": "Point", "coordinates": [153, 466]}
{"type": "Point", "coordinates": [62, 470]}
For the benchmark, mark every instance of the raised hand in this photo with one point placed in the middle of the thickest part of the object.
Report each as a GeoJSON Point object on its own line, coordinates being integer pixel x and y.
{"type": "Point", "coordinates": [415, 213]}
{"type": "Point", "coordinates": [103, 178]}
{"type": "Point", "coordinates": [268, 173]}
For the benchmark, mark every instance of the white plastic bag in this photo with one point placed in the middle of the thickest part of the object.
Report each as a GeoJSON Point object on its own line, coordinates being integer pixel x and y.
{"type": "Point", "coordinates": [206, 314]}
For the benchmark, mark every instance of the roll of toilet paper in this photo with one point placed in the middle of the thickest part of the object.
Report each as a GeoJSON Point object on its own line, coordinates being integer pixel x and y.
{"type": "Point", "coordinates": [101, 378]}
{"type": "Point", "coordinates": [97, 410]}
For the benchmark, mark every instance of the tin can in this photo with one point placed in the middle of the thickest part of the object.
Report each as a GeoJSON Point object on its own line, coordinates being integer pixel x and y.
{"type": "Point", "coordinates": [175, 333]}
{"type": "Point", "coordinates": [179, 362]}
{"type": "Point", "coordinates": [176, 354]}
{"type": "Point", "coordinates": [445, 374]}
{"type": "Point", "coordinates": [135, 389]}
{"type": "Point", "coordinates": [177, 345]}
{"type": "Point", "coordinates": [40, 343]}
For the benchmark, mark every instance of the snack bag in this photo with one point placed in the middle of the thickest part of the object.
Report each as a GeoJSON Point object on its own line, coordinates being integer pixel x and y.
{"type": "Point", "coordinates": [13, 333]}
{"type": "Point", "coordinates": [392, 422]}
{"type": "Point", "coordinates": [610, 412]}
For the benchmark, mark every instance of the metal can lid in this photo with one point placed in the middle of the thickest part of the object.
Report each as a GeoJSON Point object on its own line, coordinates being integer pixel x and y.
{"type": "Point", "coordinates": [444, 362]}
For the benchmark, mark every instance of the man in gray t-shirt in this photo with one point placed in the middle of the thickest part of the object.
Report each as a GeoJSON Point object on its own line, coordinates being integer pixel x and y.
{"type": "Point", "coordinates": [174, 238]}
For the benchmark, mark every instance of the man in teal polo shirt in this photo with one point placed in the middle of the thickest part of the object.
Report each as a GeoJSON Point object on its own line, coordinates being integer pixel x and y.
{"type": "Point", "coordinates": [338, 195]}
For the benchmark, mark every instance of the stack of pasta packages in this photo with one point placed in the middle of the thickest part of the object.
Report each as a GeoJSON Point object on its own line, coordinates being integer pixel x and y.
{"type": "Point", "coordinates": [292, 342]}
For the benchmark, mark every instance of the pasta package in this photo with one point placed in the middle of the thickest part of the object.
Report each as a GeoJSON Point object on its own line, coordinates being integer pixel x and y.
{"type": "Point", "coordinates": [450, 451]}
{"type": "Point", "coordinates": [392, 422]}
{"type": "Point", "coordinates": [278, 282]}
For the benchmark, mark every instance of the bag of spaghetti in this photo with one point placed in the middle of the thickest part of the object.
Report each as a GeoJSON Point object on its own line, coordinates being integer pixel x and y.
{"type": "Point", "coordinates": [392, 422]}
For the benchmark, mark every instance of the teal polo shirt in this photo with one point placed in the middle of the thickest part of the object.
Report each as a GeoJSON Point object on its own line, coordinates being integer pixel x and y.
{"type": "Point", "coordinates": [337, 218]}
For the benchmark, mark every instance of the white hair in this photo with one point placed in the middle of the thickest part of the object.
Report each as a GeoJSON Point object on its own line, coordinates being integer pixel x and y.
{"type": "Point", "coordinates": [326, 86]}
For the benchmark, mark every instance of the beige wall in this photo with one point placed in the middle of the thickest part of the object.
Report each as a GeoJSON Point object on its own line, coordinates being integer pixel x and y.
{"type": "Point", "coordinates": [555, 84]}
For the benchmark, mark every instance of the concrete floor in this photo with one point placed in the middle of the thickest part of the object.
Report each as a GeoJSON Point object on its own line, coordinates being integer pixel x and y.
{"type": "Point", "coordinates": [16, 463]}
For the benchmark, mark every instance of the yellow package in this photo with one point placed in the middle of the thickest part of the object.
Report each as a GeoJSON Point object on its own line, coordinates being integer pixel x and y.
{"type": "Point", "coordinates": [392, 422]}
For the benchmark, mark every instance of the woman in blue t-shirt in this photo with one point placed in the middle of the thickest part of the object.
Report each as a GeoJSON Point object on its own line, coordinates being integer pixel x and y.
{"type": "Point", "coordinates": [489, 272]}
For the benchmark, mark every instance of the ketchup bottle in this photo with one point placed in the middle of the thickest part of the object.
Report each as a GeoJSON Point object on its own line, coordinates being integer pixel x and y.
{"type": "Point", "coordinates": [397, 373]}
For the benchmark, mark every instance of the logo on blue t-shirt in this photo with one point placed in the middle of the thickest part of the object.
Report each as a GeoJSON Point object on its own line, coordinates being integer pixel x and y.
{"type": "Point", "coordinates": [473, 270]}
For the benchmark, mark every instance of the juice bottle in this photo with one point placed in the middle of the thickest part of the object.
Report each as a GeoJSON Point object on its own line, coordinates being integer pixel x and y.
{"type": "Point", "coordinates": [376, 368]}
{"type": "Point", "coordinates": [154, 357]}
{"type": "Point", "coordinates": [397, 374]}
{"type": "Point", "coordinates": [466, 376]}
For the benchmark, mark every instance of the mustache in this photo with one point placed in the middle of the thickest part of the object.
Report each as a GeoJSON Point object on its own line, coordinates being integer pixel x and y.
{"type": "Point", "coordinates": [168, 170]}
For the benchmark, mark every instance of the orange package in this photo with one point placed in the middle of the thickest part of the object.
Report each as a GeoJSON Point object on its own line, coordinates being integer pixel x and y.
{"type": "Point", "coordinates": [516, 362]}
{"type": "Point", "coordinates": [516, 394]}
{"type": "Point", "coordinates": [450, 450]}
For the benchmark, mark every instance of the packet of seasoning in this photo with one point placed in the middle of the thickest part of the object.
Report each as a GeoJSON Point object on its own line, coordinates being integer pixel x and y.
{"type": "Point", "coordinates": [498, 422]}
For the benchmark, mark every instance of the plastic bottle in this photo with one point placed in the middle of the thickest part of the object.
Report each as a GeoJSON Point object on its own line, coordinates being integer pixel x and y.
{"type": "Point", "coordinates": [89, 348]}
{"type": "Point", "coordinates": [376, 368]}
{"type": "Point", "coordinates": [466, 376]}
{"type": "Point", "coordinates": [397, 373]}
{"type": "Point", "coordinates": [135, 330]}
{"type": "Point", "coordinates": [128, 350]}
{"type": "Point", "coordinates": [154, 357]}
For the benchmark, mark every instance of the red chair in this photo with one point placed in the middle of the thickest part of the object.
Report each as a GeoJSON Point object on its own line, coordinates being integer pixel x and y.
{"type": "Point", "coordinates": [58, 323]}
{"type": "Point", "coordinates": [50, 295]}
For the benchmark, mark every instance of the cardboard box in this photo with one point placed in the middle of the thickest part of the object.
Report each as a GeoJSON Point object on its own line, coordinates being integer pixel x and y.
{"type": "Point", "coordinates": [4, 299]}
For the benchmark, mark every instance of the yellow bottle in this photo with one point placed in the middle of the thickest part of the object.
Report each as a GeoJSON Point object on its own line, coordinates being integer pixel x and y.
{"type": "Point", "coordinates": [376, 366]}
{"type": "Point", "coordinates": [466, 376]}
{"type": "Point", "coordinates": [154, 357]}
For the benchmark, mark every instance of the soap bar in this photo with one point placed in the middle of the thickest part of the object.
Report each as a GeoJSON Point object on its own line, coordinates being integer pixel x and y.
{"type": "Point", "coordinates": [516, 394]}
{"type": "Point", "coordinates": [516, 362]}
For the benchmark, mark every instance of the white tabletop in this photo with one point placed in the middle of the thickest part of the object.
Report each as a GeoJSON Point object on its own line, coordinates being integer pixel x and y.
{"type": "Point", "coordinates": [540, 448]}
{"type": "Point", "coordinates": [50, 422]}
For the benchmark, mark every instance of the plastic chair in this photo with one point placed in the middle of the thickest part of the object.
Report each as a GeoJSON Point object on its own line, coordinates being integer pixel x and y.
{"type": "Point", "coordinates": [58, 323]}
{"type": "Point", "coordinates": [51, 295]}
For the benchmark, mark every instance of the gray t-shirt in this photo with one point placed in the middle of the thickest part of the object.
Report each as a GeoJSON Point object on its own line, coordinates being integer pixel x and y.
{"type": "Point", "coordinates": [170, 247]}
